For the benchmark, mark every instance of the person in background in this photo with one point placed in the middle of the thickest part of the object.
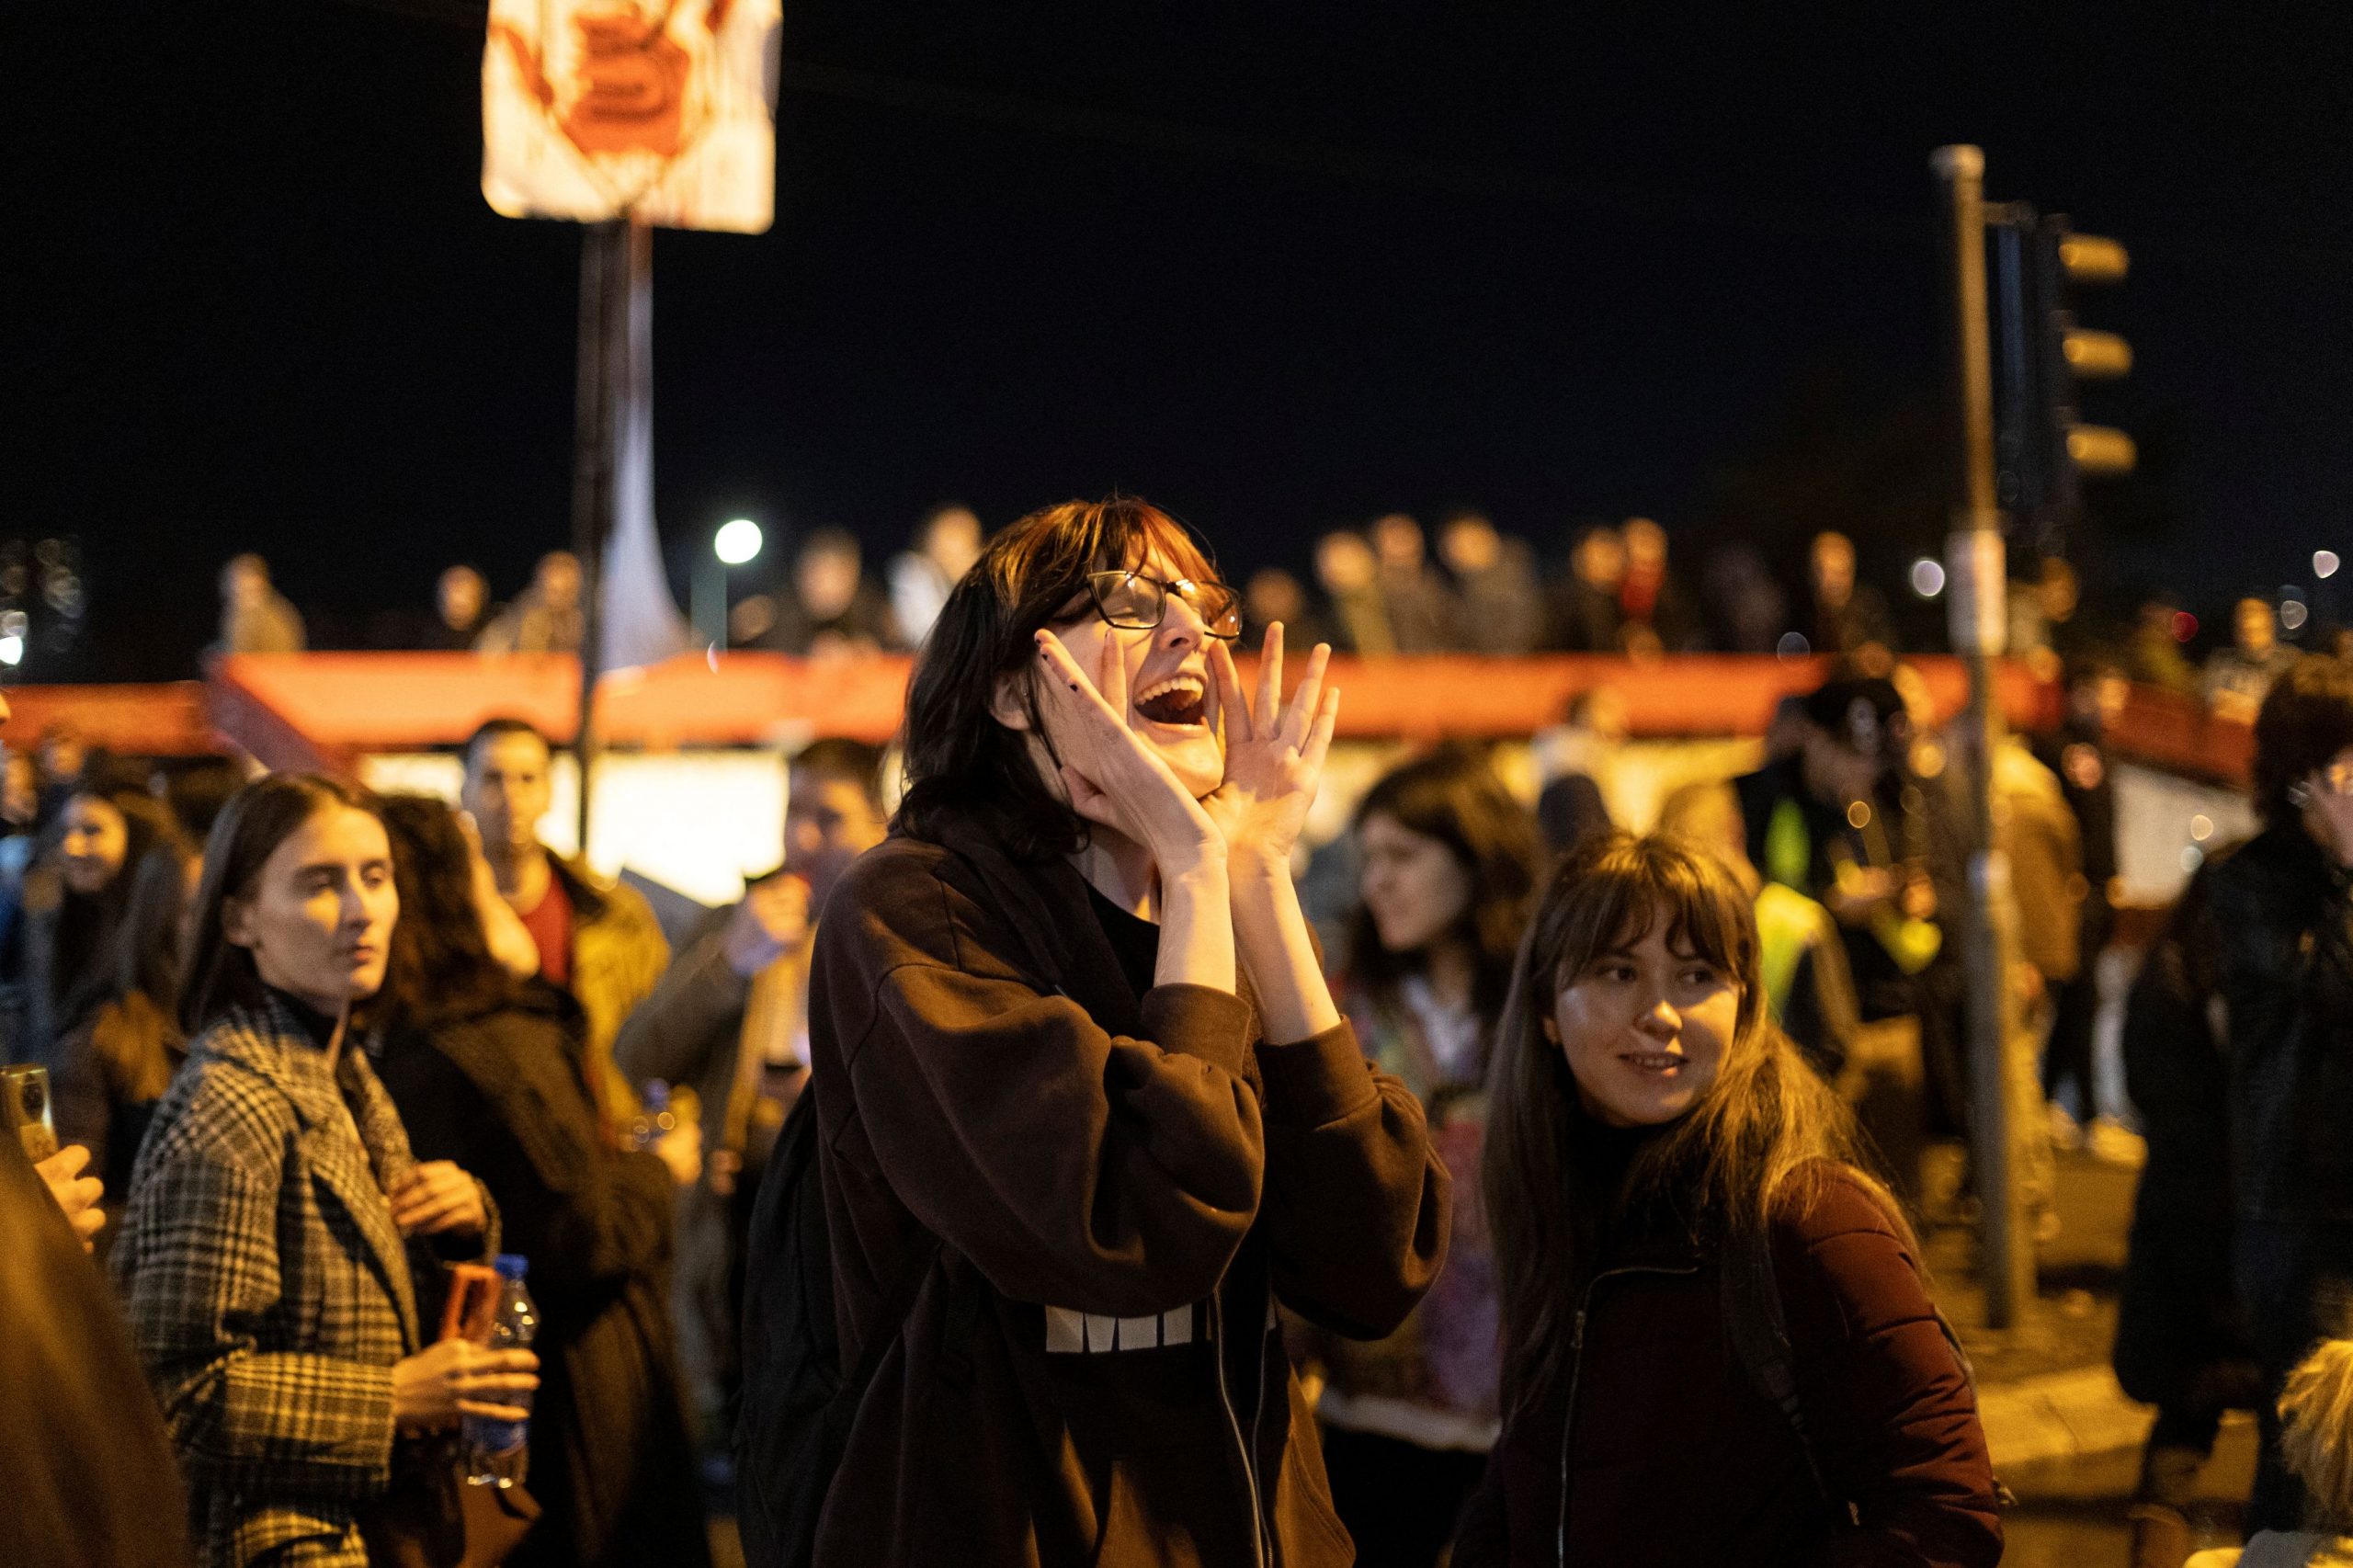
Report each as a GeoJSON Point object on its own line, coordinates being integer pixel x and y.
{"type": "Point", "coordinates": [1450, 868]}
{"type": "Point", "coordinates": [2257, 1003]}
{"type": "Point", "coordinates": [946, 545]}
{"type": "Point", "coordinates": [545, 618]}
{"type": "Point", "coordinates": [1802, 961]}
{"type": "Point", "coordinates": [2156, 657]}
{"type": "Point", "coordinates": [277, 1220]}
{"type": "Point", "coordinates": [2077, 754]}
{"type": "Point", "coordinates": [731, 1019]}
{"type": "Point", "coordinates": [1655, 614]}
{"type": "Point", "coordinates": [596, 938]}
{"type": "Point", "coordinates": [122, 1040]}
{"type": "Point", "coordinates": [2316, 1445]}
{"type": "Point", "coordinates": [1688, 1249]}
{"type": "Point", "coordinates": [254, 616]}
{"type": "Point", "coordinates": [1577, 761]}
{"type": "Point", "coordinates": [1845, 617]}
{"type": "Point", "coordinates": [833, 609]}
{"type": "Point", "coordinates": [1584, 617]}
{"type": "Point", "coordinates": [2182, 1338]}
{"type": "Point", "coordinates": [1272, 595]}
{"type": "Point", "coordinates": [460, 611]}
{"type": "Point", "coordinates": [1818, 820]}
{"type": "Point", "coordinates": [196, 791]}
{"type": "Point", "coordinates": [1498, 606]}
{"type": "Point", "coordinates": [2237, 677]}
{"type": "Point", "coordinates": [1350, 574]}
{"type": "Point", "coordinates": [1749, 609]}
{"type": "Point", "coordinates": [1421, 607]}
{"type": "Point", "coordinates": [486, 1072]}
{"type": "Point", "coordinates": [75, 901]}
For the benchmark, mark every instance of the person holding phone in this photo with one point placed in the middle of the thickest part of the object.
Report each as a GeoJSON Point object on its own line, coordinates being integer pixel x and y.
{"type": "Point", "coordinates": [276, 1215]}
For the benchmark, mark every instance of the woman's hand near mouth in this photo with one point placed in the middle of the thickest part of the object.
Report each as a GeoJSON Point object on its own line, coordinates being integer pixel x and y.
{"type": "Point", "coordinates": [1113, 778]}
{"type": "Point", "coordinates": [1274, 754]}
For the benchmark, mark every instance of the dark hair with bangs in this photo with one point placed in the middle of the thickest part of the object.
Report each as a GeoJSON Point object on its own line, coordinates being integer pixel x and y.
{"type": "Point", "coordinates": [2306, 718]}
{"type": "Point", "coordinates": [1453, 795]}
{"type": "Point", "coordinates": [1761, 1140]}
{"type": "Point", "coordinates": [961, 764]}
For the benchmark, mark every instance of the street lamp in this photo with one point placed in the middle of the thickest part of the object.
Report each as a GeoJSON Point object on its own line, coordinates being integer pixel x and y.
{"type": "Point", "coordinates": [736, 543]}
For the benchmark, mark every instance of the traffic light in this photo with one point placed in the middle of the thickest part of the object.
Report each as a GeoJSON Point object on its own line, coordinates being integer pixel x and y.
{"type": "Point", "coordinates": [2073, 355]}
{"type": "Point", "coordinates": [2045, 449]}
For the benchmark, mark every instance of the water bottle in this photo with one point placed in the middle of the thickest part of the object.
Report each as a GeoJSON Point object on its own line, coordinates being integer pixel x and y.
{"type": "Point", "coordinates": [495, 1450]}
{"type": "Point", "coordinates": [657, 1120]}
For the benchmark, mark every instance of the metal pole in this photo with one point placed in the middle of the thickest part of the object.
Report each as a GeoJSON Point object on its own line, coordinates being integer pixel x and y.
{"type": "Point", "coordinates": [1980, 621]}
{"type": "Point", "coordinates": [614, 256]}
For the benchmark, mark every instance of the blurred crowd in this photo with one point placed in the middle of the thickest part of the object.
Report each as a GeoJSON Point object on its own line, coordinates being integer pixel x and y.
{"type": "Point", "coordinates": [220, 972]}
{"type": "Point", "coordinates": [1389, 588]}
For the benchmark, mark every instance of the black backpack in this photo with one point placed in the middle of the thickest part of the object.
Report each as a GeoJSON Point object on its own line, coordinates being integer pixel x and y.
{"type": "Point", "coordinates": [797, 1404]}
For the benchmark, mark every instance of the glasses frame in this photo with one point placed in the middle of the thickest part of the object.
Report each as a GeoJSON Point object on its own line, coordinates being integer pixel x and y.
{"type": "Point", "coordinates": [1096, 580]}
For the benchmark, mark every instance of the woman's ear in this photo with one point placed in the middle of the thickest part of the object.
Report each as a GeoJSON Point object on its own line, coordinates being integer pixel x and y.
{"type": "Point", "coordinates": [236, 922]}
{"type": "Point", "coordinates": [1009, 701]}
{"type": "Point", "coordinates": [1552, 1029]}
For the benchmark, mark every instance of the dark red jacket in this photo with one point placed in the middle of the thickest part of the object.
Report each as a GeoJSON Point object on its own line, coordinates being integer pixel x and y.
{"type": "Point", "coordinates": [1122, 1188]}
{"type": "Point", "coordinates": [1673, 1458]}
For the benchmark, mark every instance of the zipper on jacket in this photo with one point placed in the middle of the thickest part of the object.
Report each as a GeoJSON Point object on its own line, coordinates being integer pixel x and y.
{"type": "Point", "coordinates": [1577, 1366]}
{"type": "Point", "coordinates": [1233, 1422]}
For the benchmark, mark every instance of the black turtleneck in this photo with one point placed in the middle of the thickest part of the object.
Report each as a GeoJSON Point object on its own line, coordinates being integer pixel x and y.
{"type": "Point", "coordinates": [318, 1025]}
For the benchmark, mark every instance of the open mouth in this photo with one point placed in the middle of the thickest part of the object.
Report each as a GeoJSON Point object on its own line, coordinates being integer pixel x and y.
{"type": "Point", "coordinates": [1659, 1062]}
{"type": "Point", "coordinates": [1180, 700]}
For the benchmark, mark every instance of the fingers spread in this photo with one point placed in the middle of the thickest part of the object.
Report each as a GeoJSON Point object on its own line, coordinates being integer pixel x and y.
{"type": "Point", "coordinates": [1319, 738]}
{"type": "Point", "coordinates": [1233, 714]}
{"type": "Point", "coordinates": [1307, 701]}
{"type": "Point", "coordinates": [1270, 706]}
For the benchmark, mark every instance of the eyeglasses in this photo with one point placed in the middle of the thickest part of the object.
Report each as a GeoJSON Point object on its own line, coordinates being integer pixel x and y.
{"type": "Point", "coordinates": [1134, 602]}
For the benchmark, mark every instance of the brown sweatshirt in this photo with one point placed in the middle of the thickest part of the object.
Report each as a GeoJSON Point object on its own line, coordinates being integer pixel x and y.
{"type": "Point", "coordinates": [1121, 1188]}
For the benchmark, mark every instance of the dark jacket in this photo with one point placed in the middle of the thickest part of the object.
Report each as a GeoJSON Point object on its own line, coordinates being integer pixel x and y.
{"type": "Point", "coordinates": [2179, 1327]}
{"type": "Point", "coordinates": [1121, 1188]}
{"type": "Point", "coordinates": [502, 1094]}
{"type": "Point", "coordinates": [91, 1479]}
{"type": "Point", "coordinates": [1672, 1455]}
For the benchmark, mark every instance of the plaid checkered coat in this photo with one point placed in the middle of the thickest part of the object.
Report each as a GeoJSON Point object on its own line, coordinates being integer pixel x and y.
{"type": "Point", "coordinates": [269, 1290]}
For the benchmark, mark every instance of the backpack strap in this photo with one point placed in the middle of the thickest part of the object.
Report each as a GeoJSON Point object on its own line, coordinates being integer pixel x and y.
{"type": "Point", "coordinates": [1759, 1336]}
{"type": "Point", "coordinates": [1758, 1330]}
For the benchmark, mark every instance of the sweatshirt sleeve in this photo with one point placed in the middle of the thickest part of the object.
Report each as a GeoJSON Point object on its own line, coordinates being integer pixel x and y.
{"type": "Point", "coordinates": [1074, 1167]}
{"type": "Point", "coordinates": [1357, 1200]}
{"type": "Point", "coordinates": [1894, 1417]}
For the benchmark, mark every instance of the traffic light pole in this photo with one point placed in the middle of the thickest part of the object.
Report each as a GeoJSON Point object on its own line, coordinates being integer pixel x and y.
{"type": "Point", "coordinates": [1978, 599]}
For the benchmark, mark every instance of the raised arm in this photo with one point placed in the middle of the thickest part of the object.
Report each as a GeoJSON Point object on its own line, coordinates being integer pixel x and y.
{"type": "Point", "coordinates": [1355, 1202]}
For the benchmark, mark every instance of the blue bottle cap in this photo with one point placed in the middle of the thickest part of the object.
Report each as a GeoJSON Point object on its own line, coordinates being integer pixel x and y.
{"type": "Point", "coordinates": [512, 1266]}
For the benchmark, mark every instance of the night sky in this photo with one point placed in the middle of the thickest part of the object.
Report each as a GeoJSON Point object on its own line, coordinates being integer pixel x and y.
{"type": "Point", "coordinates": [1276, 268]}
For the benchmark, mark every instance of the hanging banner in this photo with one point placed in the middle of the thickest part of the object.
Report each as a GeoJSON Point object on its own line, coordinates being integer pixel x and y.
{"type": "Point", "coordinates": [659, 110]}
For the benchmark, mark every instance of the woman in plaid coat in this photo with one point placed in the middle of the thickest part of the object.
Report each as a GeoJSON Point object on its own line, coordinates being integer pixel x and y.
{"type": "Point", "coordinates": [264, 1252]}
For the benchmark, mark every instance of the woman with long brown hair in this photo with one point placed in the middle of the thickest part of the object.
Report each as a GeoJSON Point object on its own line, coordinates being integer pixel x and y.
{"type": "Point", "coordinates": [1718, 1344]}
{"type": "Point", "coordinates": [1450, 861]}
